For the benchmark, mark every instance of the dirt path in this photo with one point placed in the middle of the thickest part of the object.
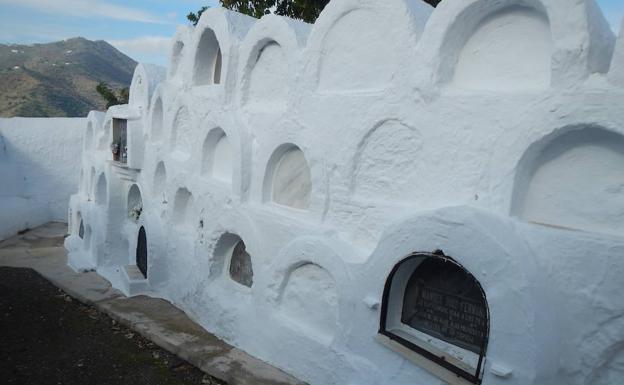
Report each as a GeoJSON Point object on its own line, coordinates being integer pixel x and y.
{"type": "Point", "coordinates": [48, 338]}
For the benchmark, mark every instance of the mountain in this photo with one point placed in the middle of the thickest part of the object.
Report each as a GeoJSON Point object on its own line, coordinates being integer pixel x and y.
{"type": "Point", "coordinates": [59, 79]}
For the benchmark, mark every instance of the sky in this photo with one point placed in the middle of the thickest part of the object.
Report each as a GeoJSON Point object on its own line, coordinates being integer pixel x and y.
{"type": "Point", "coordinates": [142, 29]}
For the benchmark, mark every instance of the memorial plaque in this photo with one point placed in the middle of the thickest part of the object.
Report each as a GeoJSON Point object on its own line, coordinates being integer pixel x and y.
{"type": "Point", "coordinates": [443, 300]}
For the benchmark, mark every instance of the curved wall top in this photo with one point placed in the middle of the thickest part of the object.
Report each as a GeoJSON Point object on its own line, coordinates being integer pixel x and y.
{"type": "Point", "coordinates": [144, 81]}
{"type": "Point", "coordinates": [179, 47]}
{"type": "Point", "coordinates": [582, 41]}
{"type": "Point", "coordinates": [229, 28]}
{"type": "Point", "coordinates": [267, 55]}
{"type": "Point", "coordinates": [369, 37]}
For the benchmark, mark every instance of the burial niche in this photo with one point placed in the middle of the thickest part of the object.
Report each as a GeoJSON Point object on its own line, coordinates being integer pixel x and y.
{"type": "Point", "coordinates": [241, 270]}
{"type": "Point", "coordinates": [438, 310]}
{"type": "Point", "coordinates": [81, 229]}
{"type": "Point", "coordinates": [182, 201]}
{"type": "Point", "coordinates": [176, 56]}
{"type": "Point", "coordinates": [135, 202]}
{"type": "Point", "coordinates": [141, 252]}
{"type": "Point", "coordinates": [101, 190]}
{"type": "Point", "coordinates": [217, 156]}
{"type": "Point", "coordinates": [510, 49]}
{"type": "Point", "coordinates": [288, 177]}
{"type": "Point", "coordinates": [208, 60]}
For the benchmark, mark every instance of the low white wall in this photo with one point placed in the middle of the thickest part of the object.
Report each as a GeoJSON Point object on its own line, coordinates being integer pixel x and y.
{"type": "Point", "coordinates": [39, 170]}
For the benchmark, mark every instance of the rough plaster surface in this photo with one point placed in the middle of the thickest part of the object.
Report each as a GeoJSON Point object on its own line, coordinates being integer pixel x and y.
{"type": "Point", "coordinates": [397, 128]}
{"type": "Point", "coordinates": [38, 170]}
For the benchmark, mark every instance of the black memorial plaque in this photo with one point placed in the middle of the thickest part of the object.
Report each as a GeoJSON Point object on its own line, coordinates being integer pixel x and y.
{"type": "Point", "coordinates": [445, 302]}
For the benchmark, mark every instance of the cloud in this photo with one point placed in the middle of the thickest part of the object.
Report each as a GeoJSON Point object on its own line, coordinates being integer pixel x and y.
{"type": "Point", "coordinates": [88, 8]}
{"type": "Point", "coordinates": [145, 48]}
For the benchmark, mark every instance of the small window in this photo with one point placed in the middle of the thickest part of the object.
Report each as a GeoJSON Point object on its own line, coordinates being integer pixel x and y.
{"type": "Point", "coordinates": [438, 310]}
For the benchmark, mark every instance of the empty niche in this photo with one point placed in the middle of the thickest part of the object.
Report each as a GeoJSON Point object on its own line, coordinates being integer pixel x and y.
{"type": "Point", "coordinates": [575, 180]}
{"type": "Point", "coordinates": [352, 43]}
{"type": "Point", "coordinates": [81, 229]}
{"type": "Point", "coordinates": [182, 135]}
{"type": "Point", "coordinates": [135, 202]}
{"type": "Point", "coordinates": [101, 193]}
{"type": "Point", "coordinates": [387, 162]}
{"type": "Point", "coordinates": [510, 49]}
{"type": "Point", "coordinates": [268, 78]}
{"type": "Point", "coordinates": [288, 181]}
{"type": "Point", "coordinates": [310, 300]}
{"type": "Point", "coordinates": [241, 270]}
{"type": "Point", "coordinates": [157, 119]}
{"type": "Point", "coordinates": [183, 200]}
{"type": "Point", "coordinates": [176, 56]}
{"type": "Point", "coordinates": [208, 60]}
{"type": "Point", "coordinates": [217, 156]}
{"type": "Point", "coordinates": [160, 182]}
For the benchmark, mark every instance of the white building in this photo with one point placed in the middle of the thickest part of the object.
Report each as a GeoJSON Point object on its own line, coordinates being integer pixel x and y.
{"type": "Point", "coordinates": [395, 195]}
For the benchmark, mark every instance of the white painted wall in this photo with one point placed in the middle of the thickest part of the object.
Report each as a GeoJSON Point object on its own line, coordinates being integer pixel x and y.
{"type": "Point", "coordinates": [39, 169]}
{"type": "Point", "coordinates": [416, 130]}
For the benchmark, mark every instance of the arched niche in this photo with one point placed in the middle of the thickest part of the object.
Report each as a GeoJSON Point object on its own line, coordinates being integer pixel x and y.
{"type": "Point", "coordinates": [157, 119]}
{"type": "Point", "coordinates": [182, 135]}
{"type": "Point", "coordinates": [310, 300]}
{"type": "Point", "coordinates": [574, 179]}
{"type": "Point", "coordinates": [268, 80]}
{"type": "Point", "coordinates": [388, 161]}
{"type": "Point", "coordinates": [134, 203]}
{"type": "Point", "coordinates": [101, 191]}
{"type": "Point", "coordinates": [182, 204]}
{"type": "Point", "coordinates": [241, 269]}
{"type": "Point", "coordinates": [288, 180]}
{"type": "Point", "coordinates": [81, 228]}
{"type": "Point", "coordinates": [208, 60]}
{"type": "Point", "coordinates": [141, 252]}
{"type": "Point", "coordinates": [217, 156]}
{"type": "Point", "coordinates": [88, 141]}
{"type": "Point", "coordinates": [160, 182]}
{"type": "Point", "coordinates": [354, 56]}
{"type": "Point", "coordinates": [176, 56]}
{"type": "Point", "coordinates": [509, 49]}
{"type": "Point", "coordinates": [434, 307]}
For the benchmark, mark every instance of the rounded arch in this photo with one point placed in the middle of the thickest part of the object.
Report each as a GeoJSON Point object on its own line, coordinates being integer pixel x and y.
{"type": "Point", "coordinates": [141, 258]}
{"type": "Point", "coordinates": [489, 247]}
{"type": "Point", "coordinates": [182, 207]}
{"type": "Point", "coordinates": [134, 201]}
{"type": "Point", "coordinates": [91, 183]}
{"type": "Point", "coordinates": [368, 36]}
{"type": "Point", "coordinates": [415, 290]}
{"type": "Point", "coordinates": [101, 191]}
{"type": "Point", "coordinates": [287, 180]}
{"type": "Point", "coordinates": [160, 182]}
{"type": "Point", "coordinates": [493, 54]}
{"type": "Point", "coordinates": [269, 49]}
{"type": "Point", "coordinates": [581, 44]}
{"type": "Point", "coordinates": [217, 156]}
{"type": "Point", "coordinates": [573, 178]}
{"type": "Point", "coordinates": [208, 59]}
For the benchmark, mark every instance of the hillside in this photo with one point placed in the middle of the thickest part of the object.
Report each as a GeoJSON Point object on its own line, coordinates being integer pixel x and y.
{"type": "Point", "coordinates": [59, 79]}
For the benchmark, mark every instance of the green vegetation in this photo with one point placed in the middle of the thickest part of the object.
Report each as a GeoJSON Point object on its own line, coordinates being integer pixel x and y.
{"type": "Point", "coordinates": [306, 10]}
{"type": "Point", "coordinates": [112, 98]}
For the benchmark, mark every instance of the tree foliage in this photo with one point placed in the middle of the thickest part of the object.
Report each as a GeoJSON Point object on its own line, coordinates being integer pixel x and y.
{"type": "Point", "coordinates": [112, 99]}
{"type": "Point", "coordinates": [306, 10]}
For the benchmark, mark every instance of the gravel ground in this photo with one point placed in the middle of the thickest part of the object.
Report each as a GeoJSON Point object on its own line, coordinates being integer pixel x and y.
{"type": "Point", "coordinates": [46, 337]}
